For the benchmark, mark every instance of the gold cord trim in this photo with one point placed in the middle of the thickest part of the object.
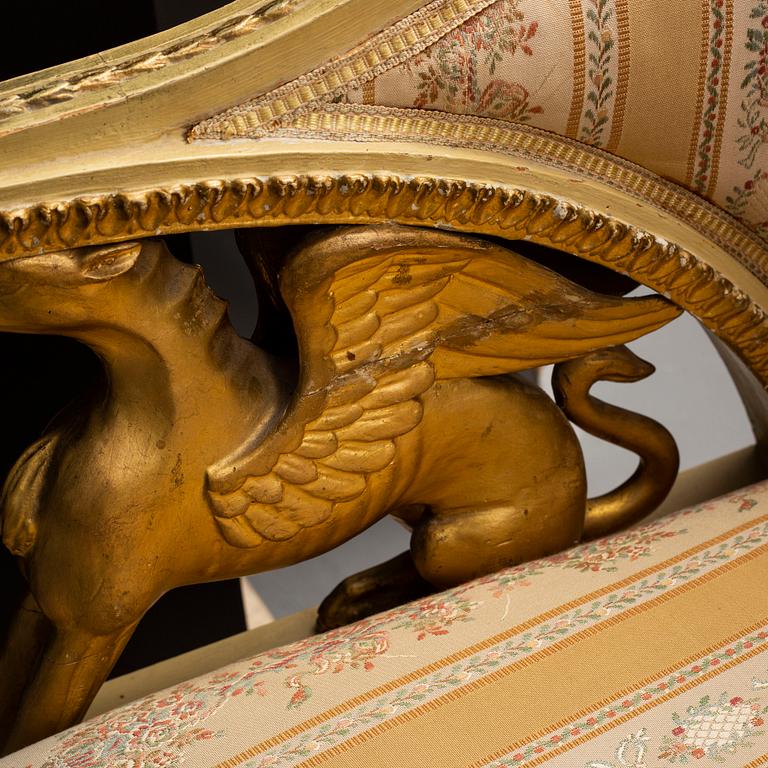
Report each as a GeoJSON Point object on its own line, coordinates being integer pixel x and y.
{"type": "Point", "coordinates": [358, 122]}
{"type": "Point", "coordinates": [387, 49]}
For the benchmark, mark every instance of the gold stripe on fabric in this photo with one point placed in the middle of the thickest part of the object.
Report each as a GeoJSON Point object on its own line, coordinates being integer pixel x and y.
{"type": "Point", "coordinates": [763, 760]}
{"type": "Point", "coordinates": [369, 92]}
{"type": "Point", "coordinates": [723, 105]}
{"type": "Point", "coordinates": [579, 68]}
{"type": "Point", "coordinates": [599, 730]}
{"type": "Point", "coordinates": [703, 65]}
{"type": "Point", "coordinates": [486, 644]}
{"type": "Point", "coordinates": [662, 90]}
{"type": "Point", "coordinates": [557, 685]}
{"type": "Point", "coordinates": [622, 76]}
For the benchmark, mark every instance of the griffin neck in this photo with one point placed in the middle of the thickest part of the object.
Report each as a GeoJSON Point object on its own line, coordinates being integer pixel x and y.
{"type": "Point", "coordinates": [170, 354]}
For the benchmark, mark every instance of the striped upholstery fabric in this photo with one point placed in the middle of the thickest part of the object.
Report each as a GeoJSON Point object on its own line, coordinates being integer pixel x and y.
{"type": "Point", "coordinates": [680, 88]}
{"type": "Point", "coordinates": [647, 648]}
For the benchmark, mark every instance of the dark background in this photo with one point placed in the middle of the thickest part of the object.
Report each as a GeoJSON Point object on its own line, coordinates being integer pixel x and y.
{"type": "Point", "coordinates": [41, 374]}
{"type": "Point", "coordinates": [49, 33]}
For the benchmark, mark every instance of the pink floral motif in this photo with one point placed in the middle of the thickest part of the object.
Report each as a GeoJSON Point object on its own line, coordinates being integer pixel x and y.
{"type": "Point", "coordinates": [357, 646]}
{"type": "Point", "coordinates": [351, 647]}
{"type": "Point", "coordinates": [713, 729]}
{"type": "Point", "coordinates": [434, 615]}
{"type": "Point", "coordinates": [153, 732]}
{"type": "Point", "coordinates": [460, 74]}
{"type": "Point", "coordinates": [595, 557]}
{"type": "Point", "coordinates": [601, 555]}
{"type": "Point", "coordinates": [746, 504]}
{"type": "Point", "coordinates": [744, 501]}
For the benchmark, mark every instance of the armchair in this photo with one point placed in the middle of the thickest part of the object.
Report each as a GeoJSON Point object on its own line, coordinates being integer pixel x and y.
{"type": "Point", "coordinates": [431, 197]}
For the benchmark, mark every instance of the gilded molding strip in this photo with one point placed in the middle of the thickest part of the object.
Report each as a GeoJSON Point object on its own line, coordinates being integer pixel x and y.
{"type": "Point", "coordinates": [360, 123]}
{"type": "Point", "coordinates": [484, 209]}
{"type": "Point", "coordinates": [55, 91]}
{"type": "Point", "coordinates": [387, 49]}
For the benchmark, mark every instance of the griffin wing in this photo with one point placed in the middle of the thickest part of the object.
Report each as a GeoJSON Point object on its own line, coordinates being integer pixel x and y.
{"type": "Point", "coordinates": [380, 313]}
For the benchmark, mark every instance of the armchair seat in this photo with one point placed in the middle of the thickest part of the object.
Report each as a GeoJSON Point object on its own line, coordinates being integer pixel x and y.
{"type": "Point", "coordinates": [644, 648]}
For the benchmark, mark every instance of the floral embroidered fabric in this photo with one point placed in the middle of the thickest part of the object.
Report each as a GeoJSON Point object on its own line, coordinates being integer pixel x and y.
{"type": "Point", "coordinates": [647, 648]}
{"type": "Point", "coordinates": [679, 88]}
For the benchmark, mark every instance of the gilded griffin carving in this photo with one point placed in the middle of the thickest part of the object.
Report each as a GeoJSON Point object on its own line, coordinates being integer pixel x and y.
{"type": "Point", "coordinates": [203, 457]}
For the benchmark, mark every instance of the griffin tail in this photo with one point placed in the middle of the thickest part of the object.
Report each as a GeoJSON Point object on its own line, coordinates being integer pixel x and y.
{"type": "Point", "coordinates": [659, 459]}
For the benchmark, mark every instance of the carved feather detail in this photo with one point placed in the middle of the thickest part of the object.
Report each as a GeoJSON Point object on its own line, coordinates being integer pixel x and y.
{"type": "Point", "coordinates": [380, 313]}
{"type": "Point", "coordinates": [22, 494]}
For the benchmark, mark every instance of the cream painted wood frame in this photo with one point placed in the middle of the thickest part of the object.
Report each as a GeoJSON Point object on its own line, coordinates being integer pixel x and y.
{"type": "Point", "coordinates": [115, 147]}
